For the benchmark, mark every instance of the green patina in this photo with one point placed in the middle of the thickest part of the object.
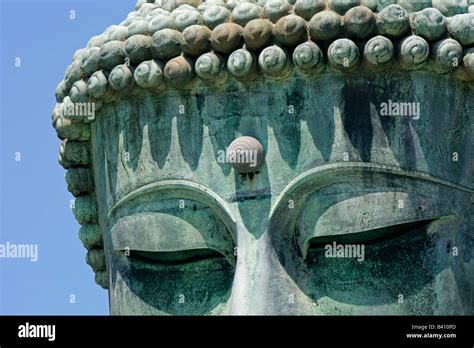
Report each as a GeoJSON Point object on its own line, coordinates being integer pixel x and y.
{"type": "Point", "coordinates": [365, 137]}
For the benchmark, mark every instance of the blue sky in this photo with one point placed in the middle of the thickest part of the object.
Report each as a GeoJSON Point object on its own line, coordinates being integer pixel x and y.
{"type": "Point", "coordinates": [34, 201]}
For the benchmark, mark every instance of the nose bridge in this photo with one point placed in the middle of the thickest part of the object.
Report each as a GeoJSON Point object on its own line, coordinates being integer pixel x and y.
{"type": "Point", "coordinates": [262, 285]}
{"type": "Point", "coordinates": [253, 273]}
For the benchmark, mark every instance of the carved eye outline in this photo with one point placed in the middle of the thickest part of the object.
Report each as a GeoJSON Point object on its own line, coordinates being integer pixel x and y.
{"type": "Point", "coordinates": [179, 190]}
{"type": "Point", "coordinates": [306, 184]}
{"type": "Point", "coordinates": [172, 258]}
{"type": "Point", "coordinates": [379, 235]}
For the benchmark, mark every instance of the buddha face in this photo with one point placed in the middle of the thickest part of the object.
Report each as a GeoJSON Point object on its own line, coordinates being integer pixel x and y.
{"type": "Point", "coordinates": [356, 208]}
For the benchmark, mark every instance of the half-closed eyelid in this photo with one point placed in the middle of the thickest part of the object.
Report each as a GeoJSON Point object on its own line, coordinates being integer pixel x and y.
{"type": "Point", "coordinates": [373, 236]}
{"type": "Point", "coordinates": [177, 257]}
{"type": "Point", "coordinates": [176, 190]}
{"type": "Point", "coordinates": [315, 180]}
{"type": "Point", "coordinates": [157, 232]}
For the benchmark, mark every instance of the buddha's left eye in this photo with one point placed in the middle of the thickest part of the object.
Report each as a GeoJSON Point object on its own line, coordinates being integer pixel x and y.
{"type": "Point", "coordinates": [176, 257]}
{"type": "Point", "coordinates": [373, 236]}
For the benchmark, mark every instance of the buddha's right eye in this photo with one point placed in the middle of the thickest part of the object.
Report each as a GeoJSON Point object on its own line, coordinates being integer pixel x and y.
{"type": "Point", "coordinates": [174, 254]}
{"type": "Point", "coordinates": [175, 257]}
{"type": "Point", "coordinates": [164, 234]}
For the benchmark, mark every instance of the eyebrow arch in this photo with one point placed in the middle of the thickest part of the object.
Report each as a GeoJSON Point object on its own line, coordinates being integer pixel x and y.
{"type": "Point", "coordinates": [326, 175]}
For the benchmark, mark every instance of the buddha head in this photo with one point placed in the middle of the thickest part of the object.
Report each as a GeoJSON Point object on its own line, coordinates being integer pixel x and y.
{"type": "Point", "coordinates": [276, 157]}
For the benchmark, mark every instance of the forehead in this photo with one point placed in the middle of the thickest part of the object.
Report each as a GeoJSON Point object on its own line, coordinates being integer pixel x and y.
{"type": "Point", "coordinates": [301, 123]}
